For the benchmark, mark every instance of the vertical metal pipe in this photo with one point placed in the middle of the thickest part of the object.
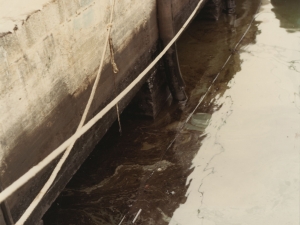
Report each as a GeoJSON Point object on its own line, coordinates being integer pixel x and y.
{"type": "Point", "coordinates": [166, 33]}
{"type": "Point", "coordinates": [217, 8]}
{"type": "Point", "coordinates": [230, 4]}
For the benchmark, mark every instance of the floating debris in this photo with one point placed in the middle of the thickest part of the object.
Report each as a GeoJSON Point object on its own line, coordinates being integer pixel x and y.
{"type": "Point", "coordinates": [198, 122]}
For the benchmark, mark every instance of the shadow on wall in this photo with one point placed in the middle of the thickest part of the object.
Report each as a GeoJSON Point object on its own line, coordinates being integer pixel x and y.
{"type": "Point", "coordinates": [288, 12]}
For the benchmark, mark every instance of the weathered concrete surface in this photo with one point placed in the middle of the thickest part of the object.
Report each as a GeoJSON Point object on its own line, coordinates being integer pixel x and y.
{"type": "Point", "coordinates": [14, 12]}
{"type": "Point", "coordinates": [56, 54]}
{"type": "Point", "coordinates": [47, 67]}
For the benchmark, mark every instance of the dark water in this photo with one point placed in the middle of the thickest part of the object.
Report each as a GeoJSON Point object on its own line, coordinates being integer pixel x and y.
{"type": "Point", "coordinates": [288, 12]}
{"type": "Point", "coordinates": [230, 163]}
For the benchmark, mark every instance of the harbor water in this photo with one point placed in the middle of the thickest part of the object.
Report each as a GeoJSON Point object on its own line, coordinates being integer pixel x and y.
{"type": "Point", "coordinates": [229, 156]}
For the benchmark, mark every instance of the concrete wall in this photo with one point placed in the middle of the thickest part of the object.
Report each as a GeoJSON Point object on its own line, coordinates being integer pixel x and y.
{"type": "Point", "coordinates": [56, 53]}
{"type": "Point", "coordinates": [47, 67]}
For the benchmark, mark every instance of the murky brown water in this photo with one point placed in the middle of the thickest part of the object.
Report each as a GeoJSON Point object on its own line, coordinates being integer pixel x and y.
{"type": "Point", "coordinates": [236, 160]}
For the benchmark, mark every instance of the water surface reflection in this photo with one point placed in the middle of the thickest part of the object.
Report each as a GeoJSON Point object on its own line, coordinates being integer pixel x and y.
{"type": "Point", "coordinates": [240, 163]}
{"type": "Point", "coordinates": [247, 169]}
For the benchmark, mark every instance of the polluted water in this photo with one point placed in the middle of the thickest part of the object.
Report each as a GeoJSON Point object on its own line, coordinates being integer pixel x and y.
{"type": "Point", "coordinates": [230, 156]}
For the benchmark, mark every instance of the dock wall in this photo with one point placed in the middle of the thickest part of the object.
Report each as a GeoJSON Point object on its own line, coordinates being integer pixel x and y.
{"type": "Point", "coordinates": [47, 68]}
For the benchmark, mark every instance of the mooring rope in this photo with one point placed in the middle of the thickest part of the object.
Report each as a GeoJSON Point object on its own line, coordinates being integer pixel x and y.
{"type": "Point", "coordinates": [56, 170]}
{"type": "Point", "coordinates": [54, 154]}
{"type": "Point", "coordinates": [69, 142]}
{"type": "Point", "coordinates": [115, 71]}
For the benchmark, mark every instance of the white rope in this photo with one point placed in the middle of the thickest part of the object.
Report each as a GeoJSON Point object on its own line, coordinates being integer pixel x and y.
{"type": "Point", "coordinates": [34, 170]}
{"type": "Point", "coordinates": [122, 220]}
{"type": "Point", "coordinates": [56, 170]}
{"type": "Point", "coordinates": [137, 215]}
